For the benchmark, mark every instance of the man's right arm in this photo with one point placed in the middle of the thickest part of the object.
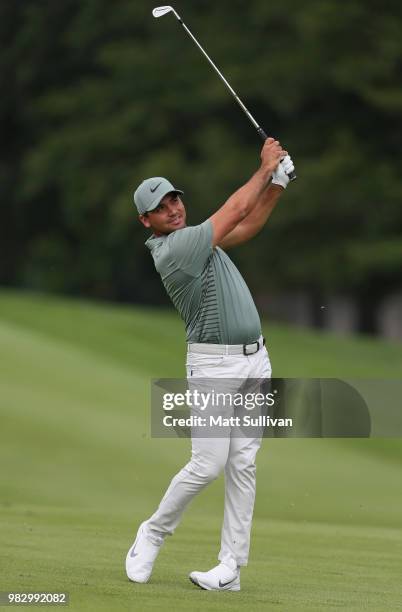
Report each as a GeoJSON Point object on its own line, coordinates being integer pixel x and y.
{"type": "Point", "coordinates": [242, 202]}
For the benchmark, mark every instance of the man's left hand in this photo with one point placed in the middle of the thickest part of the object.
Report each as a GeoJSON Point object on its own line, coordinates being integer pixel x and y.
{"type": "Point", "coordinates": [283, 169]}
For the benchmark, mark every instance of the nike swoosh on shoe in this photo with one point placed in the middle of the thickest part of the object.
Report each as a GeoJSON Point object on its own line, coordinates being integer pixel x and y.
{"type": "Point", "coordinates": [223, 584]}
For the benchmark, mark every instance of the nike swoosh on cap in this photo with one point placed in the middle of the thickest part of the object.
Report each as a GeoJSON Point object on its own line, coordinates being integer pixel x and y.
{"type": "Point", "coordinates": [155, 188]}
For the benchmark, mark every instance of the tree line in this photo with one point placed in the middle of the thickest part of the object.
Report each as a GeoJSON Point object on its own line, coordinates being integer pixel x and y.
{"type": "Point", "coordinates": [97, 96]}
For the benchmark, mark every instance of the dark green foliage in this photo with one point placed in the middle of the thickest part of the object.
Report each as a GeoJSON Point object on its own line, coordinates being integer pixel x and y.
{"type": "Point", "coordinates": [98, 95]}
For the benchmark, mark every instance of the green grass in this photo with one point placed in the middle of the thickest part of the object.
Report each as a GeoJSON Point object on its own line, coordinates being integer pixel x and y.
{"type": "Point", "coordinates": [80, 471]}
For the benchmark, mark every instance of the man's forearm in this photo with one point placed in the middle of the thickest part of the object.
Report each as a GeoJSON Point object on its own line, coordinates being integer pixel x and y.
{"type": "Point", "coordinates": [261, 211]}
{"type": "Point", "coordinates": [241, 204]}
{"type": "Point", "coordinates": [251, 194]}
{"type": "Point", "coordinates": [255, 220]}
{"type": "Point", "coordinates": [260, 208]}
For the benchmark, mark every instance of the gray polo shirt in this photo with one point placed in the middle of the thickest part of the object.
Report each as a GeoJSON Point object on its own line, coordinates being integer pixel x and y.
{"type": "Point", "coordinates": [205, 286]}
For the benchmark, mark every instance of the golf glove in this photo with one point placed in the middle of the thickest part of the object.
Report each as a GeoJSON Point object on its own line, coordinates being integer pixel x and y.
{"type": "Point", "coordinates": [280, 175]}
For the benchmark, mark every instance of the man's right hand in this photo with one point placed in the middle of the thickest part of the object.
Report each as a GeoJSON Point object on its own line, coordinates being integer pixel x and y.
{"type": "Point", "coordinates": [271, 154]}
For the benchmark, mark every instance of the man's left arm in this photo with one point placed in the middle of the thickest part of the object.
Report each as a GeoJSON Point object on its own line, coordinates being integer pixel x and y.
{"type": "Point", "coordinates": [255, 221]}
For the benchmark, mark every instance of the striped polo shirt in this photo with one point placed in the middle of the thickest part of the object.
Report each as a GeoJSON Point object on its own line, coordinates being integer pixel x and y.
{"type": "Point", "coordinates": [205, 286]}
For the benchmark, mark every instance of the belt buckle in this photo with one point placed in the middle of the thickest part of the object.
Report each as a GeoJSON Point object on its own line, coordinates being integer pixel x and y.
{"type": "Point", "coordinates": [246, 345]}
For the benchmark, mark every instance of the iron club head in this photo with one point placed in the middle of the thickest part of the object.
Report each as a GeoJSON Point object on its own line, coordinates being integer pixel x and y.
{"type": "Point", "coordinates": [159, 11]}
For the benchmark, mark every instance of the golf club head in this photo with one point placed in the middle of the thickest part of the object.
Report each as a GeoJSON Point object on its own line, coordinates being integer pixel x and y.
{"type": "Point", "coordinates": [159, 11]}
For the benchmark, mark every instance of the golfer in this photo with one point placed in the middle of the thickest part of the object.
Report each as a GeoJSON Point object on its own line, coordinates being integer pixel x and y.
{"type": "Point", "coordinates": [224, 341]}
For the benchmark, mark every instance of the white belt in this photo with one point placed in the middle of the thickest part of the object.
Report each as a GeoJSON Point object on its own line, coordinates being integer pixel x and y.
{"type": "Point", "coordinates": [227, 349]}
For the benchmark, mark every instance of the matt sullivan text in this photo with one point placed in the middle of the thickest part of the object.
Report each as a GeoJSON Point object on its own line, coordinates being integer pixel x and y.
{"type": "Point", "coordinates": [221, 421]}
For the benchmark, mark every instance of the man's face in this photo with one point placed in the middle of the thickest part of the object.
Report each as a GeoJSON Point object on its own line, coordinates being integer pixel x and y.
{"type": "Point", "coordinates": [167, 217]}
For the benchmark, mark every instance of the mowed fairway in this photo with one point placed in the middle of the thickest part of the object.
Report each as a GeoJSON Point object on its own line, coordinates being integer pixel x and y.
{"type": "Point", "coordinates": [79, 471]}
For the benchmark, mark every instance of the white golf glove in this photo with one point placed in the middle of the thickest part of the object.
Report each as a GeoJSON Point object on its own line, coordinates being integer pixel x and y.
{"type": "Point", "coordinates": [280, 175]}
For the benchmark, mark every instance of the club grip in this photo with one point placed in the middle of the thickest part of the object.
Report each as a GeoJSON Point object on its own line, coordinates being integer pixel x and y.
{"type": "Point", "coordinates": [292, 175]}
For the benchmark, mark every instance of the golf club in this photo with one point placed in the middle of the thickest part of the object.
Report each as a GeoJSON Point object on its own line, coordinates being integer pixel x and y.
{"type": "Point", "coordinates": [159, 11]}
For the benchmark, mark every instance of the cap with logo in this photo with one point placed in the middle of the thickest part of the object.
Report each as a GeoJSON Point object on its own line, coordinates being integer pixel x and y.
{"type": "Point", "coordinates": [150, 192]}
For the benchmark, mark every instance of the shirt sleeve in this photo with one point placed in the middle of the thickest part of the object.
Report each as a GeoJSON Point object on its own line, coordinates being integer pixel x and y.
{"type": "Point", "coordinates": [190, 247]}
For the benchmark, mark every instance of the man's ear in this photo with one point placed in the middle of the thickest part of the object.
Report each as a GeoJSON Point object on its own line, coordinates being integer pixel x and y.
{"type": "Point", "coordinates": [144, 220]}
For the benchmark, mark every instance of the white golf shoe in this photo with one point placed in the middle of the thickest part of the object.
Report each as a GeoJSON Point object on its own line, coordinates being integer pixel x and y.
{"type": "Point", "coordinates": [219, 578]}
{"type": "Point", "coordinates": [141, 557]}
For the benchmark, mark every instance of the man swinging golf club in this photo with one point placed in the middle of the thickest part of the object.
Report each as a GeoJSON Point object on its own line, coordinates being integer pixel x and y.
{"type": "Point", "coordinates": [224, 341]}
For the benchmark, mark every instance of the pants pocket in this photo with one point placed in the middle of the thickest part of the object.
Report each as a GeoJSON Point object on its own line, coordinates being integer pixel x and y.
{"type": "Point", "coordinates": [202, 365]}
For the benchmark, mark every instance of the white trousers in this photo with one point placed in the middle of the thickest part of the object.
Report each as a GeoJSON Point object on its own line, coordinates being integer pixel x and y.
{"type": "Point", "coordinates": [235, 454]}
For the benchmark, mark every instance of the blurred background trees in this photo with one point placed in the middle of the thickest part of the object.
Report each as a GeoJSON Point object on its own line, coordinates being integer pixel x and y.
{"type": "Point", "coordinates": [97, 96]}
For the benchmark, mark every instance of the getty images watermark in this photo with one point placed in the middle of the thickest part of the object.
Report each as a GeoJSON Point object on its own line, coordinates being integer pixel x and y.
{"type": "Point", "coordinates": [280, 407]}
{"type": "Point", "coordinates": [201, 402]}
{"type": "Point", "coordinates": [210, 408]}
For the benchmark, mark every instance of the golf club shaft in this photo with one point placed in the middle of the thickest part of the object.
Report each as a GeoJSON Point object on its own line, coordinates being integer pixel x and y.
{"type": "Point", "coordinates": [230, 88]}
{"type": "Point", "coordinates": [259, 129]}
